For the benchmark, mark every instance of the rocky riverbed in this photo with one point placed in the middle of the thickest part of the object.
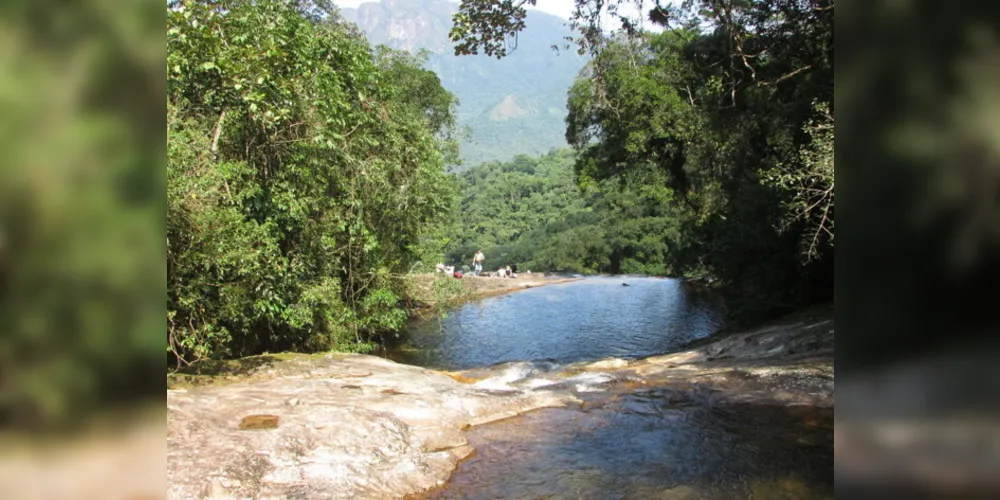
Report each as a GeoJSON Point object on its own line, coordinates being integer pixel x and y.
{"type": "Point", "coordinates": [356, 426]}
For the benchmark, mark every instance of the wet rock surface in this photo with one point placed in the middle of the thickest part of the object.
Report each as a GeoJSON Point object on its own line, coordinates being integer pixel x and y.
{"type": "Point", "coordinates": [783, 364]}
{"type": "Point", "coordinates": [341, 426]}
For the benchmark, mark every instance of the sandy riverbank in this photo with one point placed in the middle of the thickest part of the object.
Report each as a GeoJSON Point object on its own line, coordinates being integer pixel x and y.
{"type": "Point", "coordinates": [424, 285]}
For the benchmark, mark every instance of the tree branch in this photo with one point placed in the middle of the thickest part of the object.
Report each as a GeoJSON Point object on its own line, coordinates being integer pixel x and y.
{"type": "Point", "coordinates": [788, 75]}
{"type": "Point", "coordinates": [217, 133]}
{"type": "Point", "coordinates": [814, 244]}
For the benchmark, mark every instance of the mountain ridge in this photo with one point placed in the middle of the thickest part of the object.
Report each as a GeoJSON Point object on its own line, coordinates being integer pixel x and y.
{"type": "Point", "coordinates": [512, 106]}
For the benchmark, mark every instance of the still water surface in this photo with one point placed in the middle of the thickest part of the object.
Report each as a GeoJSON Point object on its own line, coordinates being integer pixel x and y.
{"type": "Point", "coordinates": [581, 320]}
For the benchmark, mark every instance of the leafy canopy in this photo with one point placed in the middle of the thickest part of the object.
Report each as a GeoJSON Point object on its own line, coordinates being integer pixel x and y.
{"type": "Point", "coordinates": [735, 116]}
{"type": "Point", "coordinates": [304, 169]}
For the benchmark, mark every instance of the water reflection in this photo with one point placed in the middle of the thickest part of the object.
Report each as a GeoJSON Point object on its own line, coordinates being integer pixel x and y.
{"type": "Point", "coordinates": [589, 319]}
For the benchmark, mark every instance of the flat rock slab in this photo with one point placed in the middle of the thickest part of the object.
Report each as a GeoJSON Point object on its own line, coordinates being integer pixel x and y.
{"type": "Point", "coordinates": [340, 426]}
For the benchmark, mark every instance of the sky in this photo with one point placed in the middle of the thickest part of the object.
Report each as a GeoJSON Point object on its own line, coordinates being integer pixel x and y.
{"type": "Point", "coordinates": [561, 8]}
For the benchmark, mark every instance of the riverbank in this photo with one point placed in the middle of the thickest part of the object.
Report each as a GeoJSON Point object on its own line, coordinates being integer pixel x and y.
{"type": "Point", "coordinates": [357, 426]}
{"type": "Point", "coordinates": [427, 291]}
{"type": "Point", "coordinates": [431, 290]}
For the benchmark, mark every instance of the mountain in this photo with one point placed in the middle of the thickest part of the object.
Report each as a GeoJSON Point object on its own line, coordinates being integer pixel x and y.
{"type": "Point", "coordinates": [512, 106]}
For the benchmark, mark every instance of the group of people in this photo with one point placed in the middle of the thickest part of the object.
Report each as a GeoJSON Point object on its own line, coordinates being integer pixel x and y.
{"type": "Point", "coordinates": [441, 268]}
{"type": "Point", "coordinates": [506, 272]}
{"type": "Point", "coordinates": [477, 268]}
{"type": "Point", "coordinates": [502, 271]}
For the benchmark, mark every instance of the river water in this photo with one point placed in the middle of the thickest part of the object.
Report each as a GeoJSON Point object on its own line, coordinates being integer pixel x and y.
{"type": "Point", "coordinates": [623, 442]}
{"type": "Point", "coordinates": [588, 319]}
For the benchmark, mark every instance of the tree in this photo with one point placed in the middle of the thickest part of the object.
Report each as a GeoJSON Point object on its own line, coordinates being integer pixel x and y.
{"type": "Point", "coordinates": [744, 145]}
{"type": "Point", "coordinates": [811, 183]}
{"type": "Point", "coordinates": [420, 90]}
{"type": "Point", "coordinates": [531, 212]}
{"type": "Point", "coordinates": [304, 169]}
{"type": "Point", "coordinates": [492, 26]}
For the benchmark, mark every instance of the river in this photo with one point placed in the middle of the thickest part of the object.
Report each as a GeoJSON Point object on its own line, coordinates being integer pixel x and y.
{"type": "Point", "coordinates": [592, 318]}
{"type": "Point", "coordinates": [624, 442]}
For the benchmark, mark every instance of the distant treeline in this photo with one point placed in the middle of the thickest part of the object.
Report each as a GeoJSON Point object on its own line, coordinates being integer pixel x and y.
{"type": "Point", "coordinates": [531, 212]}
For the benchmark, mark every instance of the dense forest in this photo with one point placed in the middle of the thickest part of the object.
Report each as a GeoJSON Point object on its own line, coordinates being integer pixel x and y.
{"type": "Point", "coordinates": [304, 167]}
{"type": "Point", "coordinates": [726, 116]}
{"type": "Point", "coordinates": [531, 212]}
{"type": "Point", "coordinates": [710, 145]}
{"type": "Point", "coordinates": [307, 170]}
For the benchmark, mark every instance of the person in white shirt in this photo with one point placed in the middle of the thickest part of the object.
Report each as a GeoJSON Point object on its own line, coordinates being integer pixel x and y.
{"type": "Point", "coordinates": [477, 262]}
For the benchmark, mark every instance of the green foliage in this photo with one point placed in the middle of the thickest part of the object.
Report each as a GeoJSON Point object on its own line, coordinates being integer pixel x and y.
{"type": "Point", "coordinates": [487, 25]}
{"type": "Point", "coordinates": [530, 212]}
{"type": "Point", "coordinates": [493, 26]}
{"type": "Point", "coordinates": [447, 291]}
{"type": "Point", "coordinates": [437, 291]}
{"type": "Point", "coordinates": [420, 90]}
{"type": "Point", "coordinates": [305, 169]}
{"type": "Point", "coordinates": [811, 182]}
{"type": "Point", "coordinates": [732, 105]}
{"type": "Point", "coordinates": [745, 144]}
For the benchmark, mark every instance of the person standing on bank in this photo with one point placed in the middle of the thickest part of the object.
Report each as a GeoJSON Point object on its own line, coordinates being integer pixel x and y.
{"type": "Point", "coordinates": [477, 262]}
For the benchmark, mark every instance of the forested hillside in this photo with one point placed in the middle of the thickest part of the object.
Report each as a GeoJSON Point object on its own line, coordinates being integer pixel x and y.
{"type": "Point", "coordinates": [531, 212]}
